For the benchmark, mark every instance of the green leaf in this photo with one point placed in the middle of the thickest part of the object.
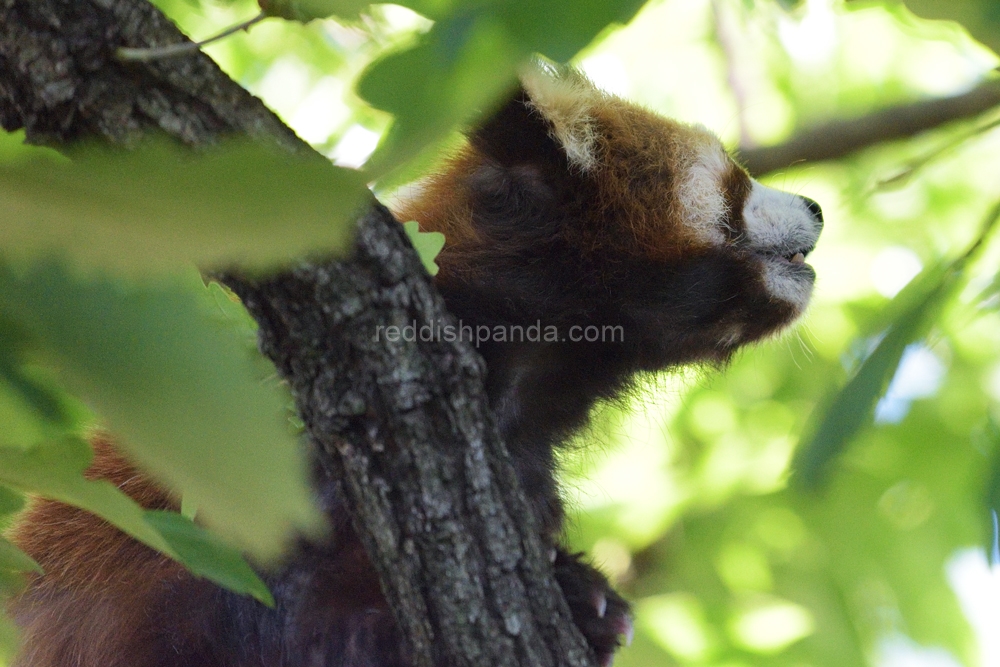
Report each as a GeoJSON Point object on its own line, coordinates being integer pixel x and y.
{"type": "Point", "coordinates": [22, 427]}
{"type": "Point", "coordinates": [232, 311]}
{"type": "Point", "coordinates": [467, 61]}
{"type": "Point", "coordinates": [55, 470]}
{"type": "Point", "coordinates": [10, 501]}
{"type": "Point", "coordinates": [8, 640]}
{"type": "Point", "coordinates": [427, 244]}
{"type": "Point", "coordinates": [32, 407]}
{"type": "Point", "coordinates": [13, 559]}
{"type": "Point", "coordinates": [309, 10]}
{"type": "Point", "coordinates": [189, 510]}
{"type": "Point", "coordinates": [579, 22]}
{"type": "Point", "coordinates": [206, 555]}
{"type": "Point", "coordinates": [46, 402]}
{"type": "Point", "coordinates": [457, 69]}
{"type": "Point", "coordinates": [179, 393]}
{"type": "Point", "coordinates": [980, 17]}
{"type": "Point", "coordinates": [912, 312]}
{"type": "Point", "coordinates": [160, 206]}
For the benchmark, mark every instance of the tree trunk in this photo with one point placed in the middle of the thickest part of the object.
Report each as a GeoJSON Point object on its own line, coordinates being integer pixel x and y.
{"type": "Point", "coordinates": [403, 428]}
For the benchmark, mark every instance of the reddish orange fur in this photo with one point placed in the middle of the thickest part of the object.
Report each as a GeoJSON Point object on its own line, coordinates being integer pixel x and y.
{"type": "Point", "coordinates": [639, 154]}
{"type": "Point", "coordinates": [60, 553]}
{"type": "Point", "coordinates": [82, 553]}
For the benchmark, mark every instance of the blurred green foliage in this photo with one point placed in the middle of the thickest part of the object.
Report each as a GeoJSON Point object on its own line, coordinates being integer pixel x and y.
{"type": "Point", "coordinates": [467, 60]}
{"type": "Point", "coordinates": [980, 17]}
{"type": "Point", "coordinates": [907, 320]}
{"type": "Point", "coordinates": [157, 206]}
{"type": "Point", "coordinates": [692, 505]}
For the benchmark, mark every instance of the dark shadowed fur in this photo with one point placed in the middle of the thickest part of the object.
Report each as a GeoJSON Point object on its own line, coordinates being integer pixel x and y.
{"type": "Point", "coordinates": [533, 238]}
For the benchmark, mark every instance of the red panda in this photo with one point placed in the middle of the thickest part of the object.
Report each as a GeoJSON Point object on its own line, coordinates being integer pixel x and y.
{"type": "Point", "coordinates": [568, 208]}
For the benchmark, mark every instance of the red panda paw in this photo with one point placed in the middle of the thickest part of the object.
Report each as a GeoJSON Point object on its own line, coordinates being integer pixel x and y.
{"type": "Point", "coordinates": [602, 615]}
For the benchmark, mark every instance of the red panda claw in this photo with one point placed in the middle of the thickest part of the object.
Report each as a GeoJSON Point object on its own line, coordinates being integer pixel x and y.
{"type": "Point", "coordinates": [600, 604]}
{"type": "Point", "coordinates": [627, 630]}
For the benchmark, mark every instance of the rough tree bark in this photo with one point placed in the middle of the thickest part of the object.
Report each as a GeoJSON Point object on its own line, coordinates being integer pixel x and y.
{"type": "Point", "coordinates": [405, 427]}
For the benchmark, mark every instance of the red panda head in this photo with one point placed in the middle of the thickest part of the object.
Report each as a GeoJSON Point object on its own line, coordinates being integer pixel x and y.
{"type": "Point", "coordinates": [573, 206]}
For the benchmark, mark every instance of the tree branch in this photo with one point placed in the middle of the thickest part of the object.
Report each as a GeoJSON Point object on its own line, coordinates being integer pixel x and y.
{"type": "Point", "coordinates": [405, 425]}
{"type": "Point", "coordinates": [402, 430]}
{"type": "Point", "coordinates": [60, 80]}
{"type": "Point", "coordinates": [839, 138]}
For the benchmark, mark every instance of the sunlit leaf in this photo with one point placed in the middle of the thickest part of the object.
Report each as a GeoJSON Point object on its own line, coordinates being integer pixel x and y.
{"type": "Point", "coordinates": [906, 173]}
{"type": "Point", "coordinates": [159, 206]}
{"type": "Point", "coordinates": [980, 17]}
{"type": "Point", "coordinates": [427, 245]}
{"type": "Point", "coordinates": [989, 298]}
{"type": "Point", "coordinates": [178, 392]}
{"type": "Point", "coordinates": [206, 555]}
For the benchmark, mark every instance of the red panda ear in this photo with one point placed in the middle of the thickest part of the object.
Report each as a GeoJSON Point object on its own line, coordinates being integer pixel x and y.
{"type": "Point", "coordinates": [522, 170]}
{"type": "Point", "coordinates": [518, 135]}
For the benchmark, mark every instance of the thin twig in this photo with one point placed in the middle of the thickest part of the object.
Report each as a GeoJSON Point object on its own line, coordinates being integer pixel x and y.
{"type": "Point", "coordinates": [728, 38]}
{"type": "Point", "coordinates": [903, 176]}
{"type": "Point", "coordinates": [839, 138]}
{"type": "Point", "coordinates": [184, 48]}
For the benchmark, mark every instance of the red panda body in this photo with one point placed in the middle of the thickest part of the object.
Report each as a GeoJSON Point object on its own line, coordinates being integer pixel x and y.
{"type": "Point", "coordinates": [568, 209]}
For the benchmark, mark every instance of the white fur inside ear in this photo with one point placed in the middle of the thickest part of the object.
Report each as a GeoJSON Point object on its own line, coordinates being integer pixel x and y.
{"type": "Point", "coordinates": [566, 101]}
{"type": "Point", "coordinates": [700, 193]}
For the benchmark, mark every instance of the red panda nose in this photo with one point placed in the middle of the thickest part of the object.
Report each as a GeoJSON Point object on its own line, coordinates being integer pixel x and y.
{"type": "Point", "coordinates": [814, 208]}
